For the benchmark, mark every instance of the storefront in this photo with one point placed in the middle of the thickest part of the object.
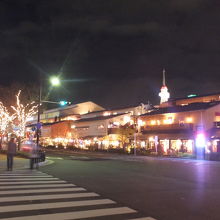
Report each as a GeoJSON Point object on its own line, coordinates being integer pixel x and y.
{"type": "Point", "coordinates": [170, 144]}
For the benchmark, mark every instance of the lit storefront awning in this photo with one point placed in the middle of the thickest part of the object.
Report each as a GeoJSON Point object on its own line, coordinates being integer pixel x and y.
{"type": "Point", "coordinates": [185, 136]}
{"type": "Point", "coordinates": [214, 133]}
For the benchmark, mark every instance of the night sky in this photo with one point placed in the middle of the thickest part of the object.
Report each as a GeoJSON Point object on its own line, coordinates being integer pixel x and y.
{"type": "Point", "coordinates": [112, 52]}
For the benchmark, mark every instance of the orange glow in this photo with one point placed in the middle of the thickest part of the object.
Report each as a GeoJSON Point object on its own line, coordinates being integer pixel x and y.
{"type": "Point", "coordinates": [189, 120]}
{"type": "Point", "coordinates": [153, 122]}
{"type": "Point", "coordinates": [106, 113]}
{"type": "Point", "coordinates": [168, 121]}
{"type": "Point", "coordinates": [127, 119]}
{"type": "Point", "coordinates": [141, 123]}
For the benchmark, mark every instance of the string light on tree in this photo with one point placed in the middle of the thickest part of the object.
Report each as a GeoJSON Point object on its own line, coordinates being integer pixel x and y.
{"type": "Point", "coordinates": [23, 113]}
{"type": "Point", "coordinates": [5, 119]}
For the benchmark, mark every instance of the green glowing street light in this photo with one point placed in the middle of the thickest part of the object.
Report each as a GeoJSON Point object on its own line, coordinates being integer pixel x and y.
{"type": "Point", "coordinates": [55, 81]}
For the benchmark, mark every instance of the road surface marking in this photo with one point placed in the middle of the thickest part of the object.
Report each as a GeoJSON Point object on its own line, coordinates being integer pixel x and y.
{"type": "Point", "coordinates": [78, 214]}
{"type": "Point", "coordinates": [14, 192]}
{"type": "Point", "coordinates": [197, 164]}
{"type": "Point", "coordinates": [35, 179]}
{"type": "Point", "coordinates": [46, 197]}
{"type": "Point", "coordinates": [30, 182]}
{"type": "Point", "coordinates": [80, 157]}
{"type": "Point", "coordinates": [10, 192]}
{"type": "Point", "coordinates": [14, 208]}
{"type": "Point", "coordinates": [37, 186]}
{"type": "Point", "coordinates": [26, 176]}
{"type": "Point", "coordinates": [55, 158]}
{"type": "Point", "coordinates": [143, 218]}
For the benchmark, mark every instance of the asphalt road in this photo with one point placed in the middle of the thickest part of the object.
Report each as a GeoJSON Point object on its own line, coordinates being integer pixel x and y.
{"type": "Point", "coordinates": [165, 189]}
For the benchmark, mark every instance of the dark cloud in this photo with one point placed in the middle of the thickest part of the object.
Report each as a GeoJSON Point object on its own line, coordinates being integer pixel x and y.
{"type": "Point", "coordinates": [117, 47]}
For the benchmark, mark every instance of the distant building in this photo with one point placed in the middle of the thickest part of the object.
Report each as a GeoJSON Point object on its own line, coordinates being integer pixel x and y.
{"type": "Point", "coordinates": [196, 98]}
{"type": "Point", "coordinates": [175, 128]}
{"type": "Point", "coordinates": [87, 122]}
{"type": "Point", "coordinates": [72, 112]}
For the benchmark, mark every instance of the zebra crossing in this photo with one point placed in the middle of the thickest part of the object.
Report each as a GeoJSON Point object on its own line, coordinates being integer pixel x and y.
{"type": "Point", "coordinates": [33, 195]}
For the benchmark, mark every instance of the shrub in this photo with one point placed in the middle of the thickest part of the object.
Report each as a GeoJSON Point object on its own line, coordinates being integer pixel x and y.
{"type": "Point", "coordinates": [73, 148]}
{"type": "Point", "coordinates": [93, 148]}
{"type": "Point", "coordinates": [116, 150]}
{"type": "Point", "coordinates": [50, 147]}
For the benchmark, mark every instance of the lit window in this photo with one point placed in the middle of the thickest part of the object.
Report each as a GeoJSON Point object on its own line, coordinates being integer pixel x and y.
{"type": "Point", "coordinates": [189, 120]}
{"type": "Point", "coordinates": [126, 119]}
{"type": "Point", "coordinates": [141, 123]}
{"type": "Point", "coordinates": [116, 123]}
{"type": "Point", "coordinates": [153, 122]}
{"type": "Point", "coordinates": [100, 126]}
{"type": "Point", "coordinates": [168, 120]}
{"type": "Point", "coordinates": [106, 113]}
{"type": "Point", "coordinates": [200, 140]}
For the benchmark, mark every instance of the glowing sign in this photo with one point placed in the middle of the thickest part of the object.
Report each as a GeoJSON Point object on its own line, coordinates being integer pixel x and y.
{"type": "Point", "coordinates": [200, 140]}
{"type": "Point", "coordinates": [191, 95]}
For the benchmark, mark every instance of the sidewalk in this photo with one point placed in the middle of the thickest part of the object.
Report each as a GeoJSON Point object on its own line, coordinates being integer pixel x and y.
{"type": "Point", "coordinates": [19, 163]}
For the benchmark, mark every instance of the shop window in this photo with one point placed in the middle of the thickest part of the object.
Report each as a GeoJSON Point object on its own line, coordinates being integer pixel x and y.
{"type": "Point", "coordinates": [100, 126]}
{"type": "Point", "coordinates": [217, 124]}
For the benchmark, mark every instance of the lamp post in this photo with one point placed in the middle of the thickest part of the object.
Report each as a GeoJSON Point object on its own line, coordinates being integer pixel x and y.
{"type": "Point", "coordinates": [54, 81]}
{"type": "Point", "coordinates": [135, 135]}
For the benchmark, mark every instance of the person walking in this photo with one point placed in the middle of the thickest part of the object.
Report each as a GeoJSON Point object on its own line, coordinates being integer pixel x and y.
{"type": "Point", "coordinates": [34, 156]}
{"type": "Point", "coordinates": [11, 153]}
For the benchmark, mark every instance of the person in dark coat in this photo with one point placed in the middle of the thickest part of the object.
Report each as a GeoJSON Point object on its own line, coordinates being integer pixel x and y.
{"type": "Point", "coordinates": [11, 153]}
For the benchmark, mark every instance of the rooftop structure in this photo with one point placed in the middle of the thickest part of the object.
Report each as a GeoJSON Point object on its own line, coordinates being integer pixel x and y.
{"type": "Point", "coordinates": [164, 94]}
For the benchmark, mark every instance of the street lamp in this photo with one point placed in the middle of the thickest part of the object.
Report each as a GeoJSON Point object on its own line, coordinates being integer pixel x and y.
{"type": "Point", "coordinates": [54, 81]}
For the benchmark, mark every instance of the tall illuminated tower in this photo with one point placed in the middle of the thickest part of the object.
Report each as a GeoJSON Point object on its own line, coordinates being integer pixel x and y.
{"type": "Point", "coordinates": [164, 94]}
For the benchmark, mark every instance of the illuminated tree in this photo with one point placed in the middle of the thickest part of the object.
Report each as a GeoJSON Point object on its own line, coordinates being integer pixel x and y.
{"type": "Point", "coordinates": [22, 114]}
{"type": "Point", "coordinates": [124, 134]}
{"type": "Point", "coordinates": [29, 94]}
{"type": "Point", "coordinates": [5, 119]}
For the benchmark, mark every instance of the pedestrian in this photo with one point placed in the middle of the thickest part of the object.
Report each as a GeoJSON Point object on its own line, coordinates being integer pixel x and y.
{"type": "Point", "coordinates": [11, 151]}
{"type": "Point", "coordinates": [34, 156]}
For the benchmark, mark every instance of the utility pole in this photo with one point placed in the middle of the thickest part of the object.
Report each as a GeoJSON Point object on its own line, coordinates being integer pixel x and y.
{"type": "Point", "coordinates": [38, 111]}
{"type": "Point", "coordinates": [135, 135]}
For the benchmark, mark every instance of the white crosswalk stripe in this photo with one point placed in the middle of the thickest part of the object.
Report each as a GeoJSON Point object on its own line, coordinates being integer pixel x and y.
{"type": "Point", "coordinates": [37, 186]}
{"type": "Point", "coordinates": [22, 179]}
{"type": "Point", "coordinates": [54, 205]}
{"type": "Point", "coordinates": [44, 197]}
{"type": "Point", "coordinates": [23, 176]}
{"type": "Point", "coordinates": [29, 182]}
{"type": "Point", "coordinates": [11, 192]}
{"type": "Point", "coordinates": [54, 198]}
{"type": "Point", "coordinates": [78, 214]}
{"type": "Point", "coordinates": [144, 218]}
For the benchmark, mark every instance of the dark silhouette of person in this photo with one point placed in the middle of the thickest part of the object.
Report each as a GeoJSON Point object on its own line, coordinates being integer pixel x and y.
{"type": "Point", "coordinates": [11, 153]}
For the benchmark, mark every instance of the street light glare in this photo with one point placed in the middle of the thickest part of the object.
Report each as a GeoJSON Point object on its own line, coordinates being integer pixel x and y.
{"type": "Point", "coordinates": [55, 81]}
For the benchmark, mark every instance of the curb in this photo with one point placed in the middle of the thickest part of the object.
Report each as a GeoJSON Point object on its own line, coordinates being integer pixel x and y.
{"type": "Point", "coordinates": [45, 163]}
{"type": "Point", "coordinates": [41, 164]}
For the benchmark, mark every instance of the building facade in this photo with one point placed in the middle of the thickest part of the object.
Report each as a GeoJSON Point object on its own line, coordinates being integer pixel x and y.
{"type": "Point", "coordinates": [179, 128]}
